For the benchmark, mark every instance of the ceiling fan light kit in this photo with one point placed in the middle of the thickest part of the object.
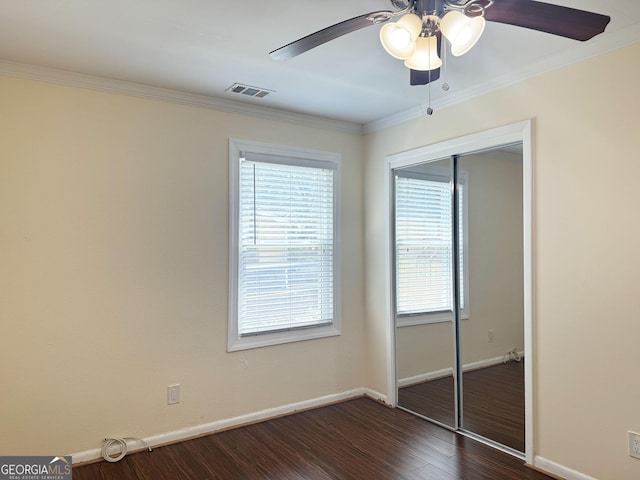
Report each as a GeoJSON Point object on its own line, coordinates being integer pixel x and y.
{"type": "Point", "coordinates": [399, 38]}
{"type": "Point", "coordinates": [425, 57]}
{"type": "Point", "coordinates": [462, 31]}
{"type": "Point", "coordinates": [413, 37]}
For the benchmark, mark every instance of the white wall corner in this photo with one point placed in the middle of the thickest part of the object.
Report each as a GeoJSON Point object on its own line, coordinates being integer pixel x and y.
{"type": "Point", "coordinates": [377, 396]}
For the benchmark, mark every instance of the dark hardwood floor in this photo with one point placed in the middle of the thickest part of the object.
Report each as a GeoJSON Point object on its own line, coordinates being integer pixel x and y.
{"type": "Point", "coordinates": [433, 399]}
{"type": "Point", "coordinates": [493, 402]}
{"type": "Point", "coordinates": [358, 439]}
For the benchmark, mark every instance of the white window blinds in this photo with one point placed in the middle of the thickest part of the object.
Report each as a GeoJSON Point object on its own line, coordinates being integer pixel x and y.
{"type": "Point", "coordinates": [286, 245]}
{"type": "Point", "coordinates": [424, 253]}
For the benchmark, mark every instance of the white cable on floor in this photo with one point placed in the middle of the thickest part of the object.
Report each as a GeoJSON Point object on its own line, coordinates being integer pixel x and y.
{"type": "Point", "coordinates": [512, 355]}
{"type": "Point", "coordinates": [107, 443]}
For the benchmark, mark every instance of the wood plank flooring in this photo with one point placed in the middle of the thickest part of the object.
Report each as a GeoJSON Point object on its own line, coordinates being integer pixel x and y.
{"type": "Point", "coordinates": [358, 439]}
{"type": "Point", "coordinates": [493, 402]}
{"type": "Point", "coordinates": [433, 399]}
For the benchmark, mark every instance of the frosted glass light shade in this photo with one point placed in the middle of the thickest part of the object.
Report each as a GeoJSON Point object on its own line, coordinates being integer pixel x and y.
{"type": "Point", "coordinates": [425, 57]}
{"type": "Point", "coordinates": [463, 32]}
{"type": "Point", "coordinates": [398, 38]}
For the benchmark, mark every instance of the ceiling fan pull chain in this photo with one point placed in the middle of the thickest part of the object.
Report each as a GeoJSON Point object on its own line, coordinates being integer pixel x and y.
{"type": "Point", "coordinates": [445, 85]}
{"type": "Point", "coordinates": [429, 109]}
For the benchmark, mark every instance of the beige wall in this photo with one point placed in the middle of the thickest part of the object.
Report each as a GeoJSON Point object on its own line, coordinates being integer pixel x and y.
{"type": "Point", "coordinates": [113, 263]}
{"type": "Point", "coordinates": [114, 271]}
{"type": "Point", "coordinates": [585, 230]}
{"type": "Point", "coordinates": [422, 350]}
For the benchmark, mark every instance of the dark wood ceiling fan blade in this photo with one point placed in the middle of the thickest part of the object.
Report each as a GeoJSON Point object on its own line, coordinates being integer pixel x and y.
{"type": "Point", "coordinates": [330, 33]}
{"type": "Point", "coordinates": [420, 77]}
{"type": "Point", "coordinates": [545, 17]}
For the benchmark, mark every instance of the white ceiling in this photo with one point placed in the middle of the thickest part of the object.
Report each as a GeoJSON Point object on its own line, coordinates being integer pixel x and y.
{"type": "Point", "coordinates": [205, 46]}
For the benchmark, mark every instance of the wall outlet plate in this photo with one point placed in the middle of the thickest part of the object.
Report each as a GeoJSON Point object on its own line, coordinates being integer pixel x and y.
{"type": "Point", "coordinates": [173, 394]}
{"type": "Point", "coordinates": [634, 445]}
{"type": "Point", "coordinates": [491, 336]}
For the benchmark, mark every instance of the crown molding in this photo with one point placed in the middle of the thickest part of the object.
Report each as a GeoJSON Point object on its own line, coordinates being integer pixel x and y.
{"type": "Point", "coordinates": [104, 84]}
{"type": "Point", "coordinates": [595, 47]}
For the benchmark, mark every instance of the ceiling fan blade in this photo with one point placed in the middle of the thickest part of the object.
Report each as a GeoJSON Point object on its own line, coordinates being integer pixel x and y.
{"type": "Point", "coordinates": [545, 17]}
{"type": "Point", "coordinates": [330, 33]}
{"type": "Point", "coordinates": [420, 77]}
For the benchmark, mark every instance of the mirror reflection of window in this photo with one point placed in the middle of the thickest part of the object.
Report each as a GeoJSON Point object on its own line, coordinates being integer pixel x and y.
{"type": "Point", "coordinates": [424, 253]}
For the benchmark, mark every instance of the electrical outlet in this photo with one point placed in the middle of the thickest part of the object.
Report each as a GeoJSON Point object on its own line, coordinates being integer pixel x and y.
{"type": "Point", "coordinates": [173, 394]}
{"type": "Point", "coordinates": [491, 335]}
{"type": "Point", "coordinates": [634, 445]}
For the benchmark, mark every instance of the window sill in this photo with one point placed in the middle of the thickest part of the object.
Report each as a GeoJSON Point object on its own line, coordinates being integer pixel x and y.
{"type": "Point", "coordinates": [279, 338]}
{"type": "Point", "coordinates": [426, 319]}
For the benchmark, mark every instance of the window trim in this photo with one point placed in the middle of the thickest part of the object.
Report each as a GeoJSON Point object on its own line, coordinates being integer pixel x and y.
{"type": "Point", "coordinates": [302, 156]}
{"type": "Point", "coordinates": [425, 318]}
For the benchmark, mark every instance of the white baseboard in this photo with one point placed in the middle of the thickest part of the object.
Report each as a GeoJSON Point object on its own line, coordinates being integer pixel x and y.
{"type": "Point", "coordinates": [490, 362]}
{"type": "Point", "coordinates": [559, 470]}
{"type": "Point", "coordinates": [225, 424]}
{"type": "Point", "coordinates": [376, 396]}
{"type": "Point", "coordinates": [270, 413]}
{"type": "Point", "coordinates": [448, 372]}
{"type": "Point", "coordinates": [425, 377]}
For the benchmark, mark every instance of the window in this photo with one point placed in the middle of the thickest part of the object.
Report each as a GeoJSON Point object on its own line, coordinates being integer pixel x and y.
{"type": "Point", "coordinates": [424, 253]}
{"type": "Point", "coordinates": [284, 245]}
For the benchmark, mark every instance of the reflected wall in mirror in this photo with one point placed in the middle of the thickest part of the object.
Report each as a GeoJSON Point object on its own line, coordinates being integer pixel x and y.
{"type": "Point", "coordinates": [491, 344]}
{"type": "Point", "coordinates": [423, 276]}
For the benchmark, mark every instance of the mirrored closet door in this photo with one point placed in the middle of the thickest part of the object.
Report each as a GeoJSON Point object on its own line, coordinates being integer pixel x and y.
{"type": "Point", "coordinates": [491, 336]}
{"type": "Point", "coordinates": [458, 288]}
{"type": "Point", "coordinates": [425, 354]}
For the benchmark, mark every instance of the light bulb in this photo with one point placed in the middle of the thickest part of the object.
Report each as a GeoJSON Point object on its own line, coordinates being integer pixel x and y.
{"type": "Point", "coordinates": [464, 35]}
{"type": "Point", "coordinates": [425, 57]}
{"type": "Point", "coordinates": [398, 38]}
{"type": "Point", "coordinates": [463, 32]}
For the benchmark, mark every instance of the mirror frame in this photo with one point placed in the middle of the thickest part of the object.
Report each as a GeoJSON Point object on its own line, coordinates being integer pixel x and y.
{"type": "Point", "coordinates": [496, 137]}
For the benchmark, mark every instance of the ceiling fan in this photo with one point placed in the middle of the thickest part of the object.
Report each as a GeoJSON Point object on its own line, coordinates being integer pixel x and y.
{"type": "Point", "coordinates": [416, 37]}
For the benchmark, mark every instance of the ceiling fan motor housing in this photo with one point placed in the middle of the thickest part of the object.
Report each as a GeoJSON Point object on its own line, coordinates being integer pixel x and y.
{"type": "Point", "coordinates": [429, 7]}
{"type": "Point", "coordinates": [439, 7]}
{"type": "Point", "coordinates": [458, 3]}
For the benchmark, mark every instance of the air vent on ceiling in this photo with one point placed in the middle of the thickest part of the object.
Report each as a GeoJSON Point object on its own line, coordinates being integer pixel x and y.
{"type": "Point", "coordinates": [249, 90]}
